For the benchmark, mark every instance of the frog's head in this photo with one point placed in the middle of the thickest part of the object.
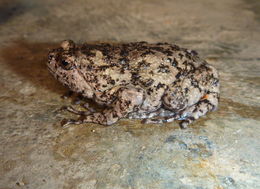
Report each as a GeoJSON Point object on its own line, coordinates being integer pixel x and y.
{"type": "Point", "coordinates": [63, 64]}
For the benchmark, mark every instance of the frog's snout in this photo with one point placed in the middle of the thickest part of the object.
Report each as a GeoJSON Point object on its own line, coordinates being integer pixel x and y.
{"type": "Point", "coordinates": [51, 56]}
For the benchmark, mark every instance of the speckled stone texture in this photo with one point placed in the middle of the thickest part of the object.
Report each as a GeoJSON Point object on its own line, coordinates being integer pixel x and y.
{"type": "Point", "coordinates": [221, 150]}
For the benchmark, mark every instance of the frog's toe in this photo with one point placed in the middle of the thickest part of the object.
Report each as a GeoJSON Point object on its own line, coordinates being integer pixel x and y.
{"type": "Point", "coordinates": [66, 122]}
{"type": "Point", "coordinates": [184, 124]}
{"type": "Point", "coordinates": [151, 121]}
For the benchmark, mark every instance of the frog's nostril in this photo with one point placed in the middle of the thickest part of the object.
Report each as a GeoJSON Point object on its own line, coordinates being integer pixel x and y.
{"type": "Point", "coordinates": [50, 56]}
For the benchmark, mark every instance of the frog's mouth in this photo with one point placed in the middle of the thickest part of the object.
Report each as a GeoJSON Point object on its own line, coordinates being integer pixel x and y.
{"type": "Point", "coordinates": [53, 72]}
{"type": "Point", "coordinates": [51, 65]}
{"type": "Point", "coordinates": [50, 69]}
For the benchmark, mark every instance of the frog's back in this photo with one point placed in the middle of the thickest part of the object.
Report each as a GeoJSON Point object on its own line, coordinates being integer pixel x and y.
{"type": "Point", "coordinates": [139, 63]}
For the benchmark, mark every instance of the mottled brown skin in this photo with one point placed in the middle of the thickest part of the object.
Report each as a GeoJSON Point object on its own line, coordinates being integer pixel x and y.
{"type": "Point", "coordinates": [155, 82]}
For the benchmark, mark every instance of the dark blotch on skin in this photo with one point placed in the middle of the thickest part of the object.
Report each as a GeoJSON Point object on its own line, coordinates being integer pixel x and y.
{"type": "Point", "coordinates": [147, 83]}
{"type": "Point", "coordinates": [160, 85]}
{"type": "Point", "coordinates": [149, 91]}
{"type": "Point", "coordinates": [147, 53]}
{"type": "Point", "coordinates": [178, 75]}
{"type": "Point", "coordinates": [181, 55]}
{"type": "Point", "coordinates": [112, 82]}
{"type": "Point", "coordinates": [168, 53]}
{"type": "Point", "coordinates": [124, 53]}
{"type": "Point", "coordinates": [163, 68]}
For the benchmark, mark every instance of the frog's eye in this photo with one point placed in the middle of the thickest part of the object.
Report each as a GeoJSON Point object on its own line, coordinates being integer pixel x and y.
{"type": "Point", "coordinates": [66, 65]}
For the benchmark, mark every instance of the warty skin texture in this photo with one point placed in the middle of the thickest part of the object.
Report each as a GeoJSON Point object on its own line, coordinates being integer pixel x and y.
{"type": "Point", "coordinates": [155, 82]}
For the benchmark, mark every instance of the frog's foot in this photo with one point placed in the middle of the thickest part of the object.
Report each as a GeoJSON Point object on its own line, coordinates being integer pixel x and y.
{"type": "Point", "coordinates": [207, 103]}
{"type": "Point", "coordinates": [143, 115]}
{"type": "Point", "coordinates": [161, 119]}
{"type": "Point", "coordinates": [158, 120]}
{"type": "Point", "coordinates": [74, 111]}
{"type": "Point", "coordinates": [146, 115]}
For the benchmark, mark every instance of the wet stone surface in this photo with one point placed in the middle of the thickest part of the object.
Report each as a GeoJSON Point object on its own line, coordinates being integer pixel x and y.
{"type": "Point", "coordinates": [220, 150]}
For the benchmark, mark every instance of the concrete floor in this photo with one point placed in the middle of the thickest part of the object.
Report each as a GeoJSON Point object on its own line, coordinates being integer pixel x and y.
{"type": "Point", "coordinates": [221, 150]}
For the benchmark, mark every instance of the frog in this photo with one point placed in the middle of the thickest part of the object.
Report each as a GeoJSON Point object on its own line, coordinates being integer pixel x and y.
{"type": "Point", "coordinates": [155, 82]}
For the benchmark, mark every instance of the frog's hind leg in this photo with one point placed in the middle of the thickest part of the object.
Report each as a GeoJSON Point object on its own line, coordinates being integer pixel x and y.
{"type": "Point", "coordinates": [208, 102]}
{"type": "Point", "coordinates": [192, 97]}
{"type": "Point", "coordinates": [127, 99]}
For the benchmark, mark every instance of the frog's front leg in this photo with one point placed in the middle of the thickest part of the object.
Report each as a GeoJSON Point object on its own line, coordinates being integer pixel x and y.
{"type": "Point", "coordinates": [77, 112]}
{"type": "Point", "coordinates": [127, 99]}
{"type": "Point", "coordinates": [105, 98]}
